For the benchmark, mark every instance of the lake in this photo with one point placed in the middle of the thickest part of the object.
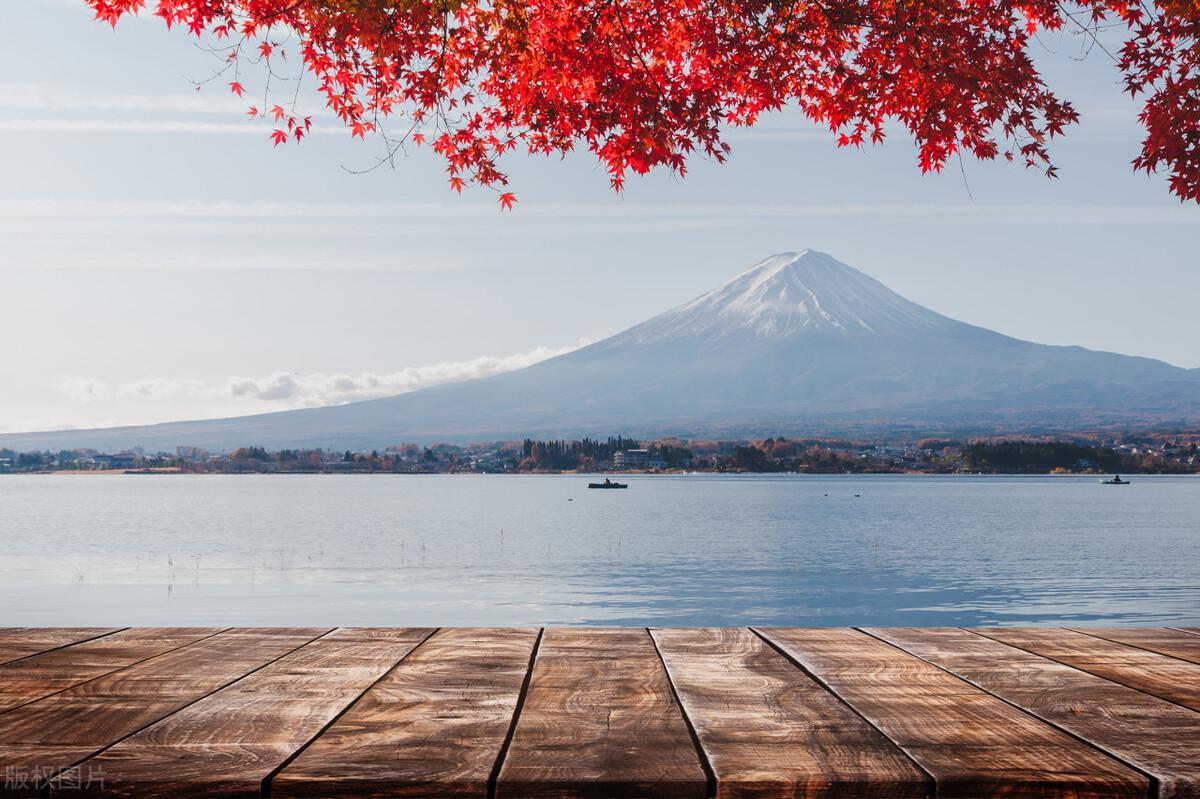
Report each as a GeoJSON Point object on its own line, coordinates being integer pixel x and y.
{"type": "Point", "coordinates": [401, 550]}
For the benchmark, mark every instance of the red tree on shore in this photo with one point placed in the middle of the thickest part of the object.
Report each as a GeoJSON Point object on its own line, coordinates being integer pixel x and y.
{"type": "Point", "coordinates": [648, 83]}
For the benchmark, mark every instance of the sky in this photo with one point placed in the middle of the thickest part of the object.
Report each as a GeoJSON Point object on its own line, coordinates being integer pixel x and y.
{"type": "Point", "coordinates": [160, 260]}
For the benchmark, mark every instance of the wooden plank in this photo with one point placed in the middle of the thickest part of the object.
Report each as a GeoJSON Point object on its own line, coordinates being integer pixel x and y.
{"type": "Point", "coordinates": [21, 642]}
{"type": "Point", "coordinates": [770, 731]}
{"type": "Point", "coordinates": [1168, 678]}
{"type": "Point", "coordinates": [38, 676]}
{"type": "Point", "coordinates": [61, 730]}
{"type": "Point", "coordinates": [433, 727]}
{"type": "Point", "coordinates": [1160, 738]}
{"type": "Point", "coordinates": [1162, 640]}
{"type": "Point", "coordinates": [599, 720]}
{"type": "Point", "coordinates": [972, 743]}
{"type": "Point", "coordinates": [227, 743]}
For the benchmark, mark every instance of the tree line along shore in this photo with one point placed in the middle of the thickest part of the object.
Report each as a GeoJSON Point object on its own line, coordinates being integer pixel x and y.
{"type": "Point", "coordinates": [1145, 454]}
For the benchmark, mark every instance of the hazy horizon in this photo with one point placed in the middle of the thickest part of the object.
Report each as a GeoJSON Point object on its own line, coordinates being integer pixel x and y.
{"type": "Point", "coordinates": [373, 386]}
{"type": "Point", "coordinates": [799, 344]}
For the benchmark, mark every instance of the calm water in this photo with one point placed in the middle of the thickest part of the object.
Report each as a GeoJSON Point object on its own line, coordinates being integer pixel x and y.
{"type": "Point", "coordinates": [479, 550]}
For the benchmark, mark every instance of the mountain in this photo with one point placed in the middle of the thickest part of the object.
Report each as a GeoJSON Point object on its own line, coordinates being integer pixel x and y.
{"type": "Point", "coordinates": [799, 343]}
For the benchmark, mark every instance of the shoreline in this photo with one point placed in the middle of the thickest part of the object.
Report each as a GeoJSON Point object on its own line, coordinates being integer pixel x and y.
{"type": "Point", "coordinates": [173, 471]}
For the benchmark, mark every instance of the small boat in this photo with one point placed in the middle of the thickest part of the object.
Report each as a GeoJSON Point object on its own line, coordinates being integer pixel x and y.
{"type": "Point", "coordinates": [1116, 481]}
{"type": "Point", "coordinates": [608, 484]}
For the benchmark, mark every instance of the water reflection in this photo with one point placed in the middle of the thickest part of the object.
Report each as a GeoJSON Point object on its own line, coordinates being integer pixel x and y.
{"type": "Point", "coordinates": [400, 550]}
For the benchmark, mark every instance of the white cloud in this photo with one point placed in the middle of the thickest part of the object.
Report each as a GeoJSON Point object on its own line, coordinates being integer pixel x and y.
{"type": "Point", "coordinates": [40, 97]}
{"type": "Point", "coordinates": [84, 390]}
{"type": "Point", "coordinates": [627, 213]}
{"type": "Point", "coordinates": [292, 390]}
{"type": "Point", "coordinates": [162, 388]}
{"type": "Point", "coordinates": [143, 126]}
{"type": "Point", "coordinates": [328, 389]}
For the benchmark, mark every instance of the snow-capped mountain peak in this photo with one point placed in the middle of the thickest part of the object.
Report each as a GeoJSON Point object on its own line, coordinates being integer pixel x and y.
{"type": "Point", "coordinates": [792, 294]}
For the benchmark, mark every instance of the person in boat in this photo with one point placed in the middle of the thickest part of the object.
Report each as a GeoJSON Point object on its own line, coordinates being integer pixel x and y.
{"type": "Point", "coordinates": [608, 482]}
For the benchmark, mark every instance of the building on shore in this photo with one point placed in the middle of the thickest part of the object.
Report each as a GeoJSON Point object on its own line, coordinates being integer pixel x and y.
{"type": "Point", "coordinates": [631, 459]}
{"type": "Point", "coordinates": [122, 460]}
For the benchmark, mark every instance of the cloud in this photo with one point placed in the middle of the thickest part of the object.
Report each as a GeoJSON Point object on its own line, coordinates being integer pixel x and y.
{"type": "Point", "coordinates": [160, 388]}
{"type": "Point", "coordinates": [141, 126]}
{"type": "Point", "coordinates": [311, 390]}
{"type": "Point", "coordinates": [84, 390]}
{"type": "Point", "coordinates": [330, 389]}
{"type": "Point", "coordinates": [608, 214]}
{"type": "Point", "coordinates": [40, 97]}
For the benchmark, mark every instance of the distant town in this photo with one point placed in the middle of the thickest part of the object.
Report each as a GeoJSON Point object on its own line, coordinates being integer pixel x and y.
{"type": "Point", "coordinates": [1144, 454]}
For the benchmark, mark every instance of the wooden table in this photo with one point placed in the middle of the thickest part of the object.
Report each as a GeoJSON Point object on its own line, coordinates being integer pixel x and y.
{"type": "Point", "coordinates": [600, 712]}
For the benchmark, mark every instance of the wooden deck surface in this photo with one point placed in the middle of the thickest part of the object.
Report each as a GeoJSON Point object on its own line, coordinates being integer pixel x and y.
{"type": "Point", "coordinates": [614, 713]}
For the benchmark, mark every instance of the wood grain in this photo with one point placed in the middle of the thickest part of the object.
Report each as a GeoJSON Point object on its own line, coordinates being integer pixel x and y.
{"type": "Point", "coordinates": [59, 731]}
{"type": "Point", "coordinates": [363, 713]}
{"type": "Point", "coordinates": [21, 642]}
{"type": "Point", "coordinates": [1158, 737]}
{"type": "Point", "coordinates": [1165, 677]}
{"type": "Point", "coordinates": [599, 720]}
{"type": "Point", "coordinates": [1162, 640]}
{"type": "Point", "coordinates": [433, 727]}
{"type": "Point", "coordinates": [972, 743]}
{"type": "Point", "coordinates": [227, 743]}
{"type": "Point", "coordinates": [770, 731]}
{"type": "Point", "coordinates": [38, 676]}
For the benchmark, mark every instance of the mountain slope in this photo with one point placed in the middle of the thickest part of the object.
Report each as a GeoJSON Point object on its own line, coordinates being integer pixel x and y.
{"type": "Point", "coordinates": [797, 343]}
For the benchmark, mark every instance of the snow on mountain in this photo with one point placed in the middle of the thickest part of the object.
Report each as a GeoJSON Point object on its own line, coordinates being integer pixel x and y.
{"type": "Point", "coordinates": [800, 343]}
{"type": "Point", "coordinates": [794, 294]}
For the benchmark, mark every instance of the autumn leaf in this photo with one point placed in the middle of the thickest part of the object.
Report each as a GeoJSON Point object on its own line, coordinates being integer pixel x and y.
{"type": "Point", "coordinates": [652, 84]}
{"type": "Point", "coordinates": [506, 200]}
{"type": "Point", "coordinates": [279, 137]}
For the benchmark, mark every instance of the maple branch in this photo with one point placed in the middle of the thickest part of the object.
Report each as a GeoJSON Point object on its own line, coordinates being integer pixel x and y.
{"type": "Point", "coordinates": [1086, 31]}
{"type": "Point", "coordinates": [616, 5]}
{"type": "Point", "coordinates": [655, 87]}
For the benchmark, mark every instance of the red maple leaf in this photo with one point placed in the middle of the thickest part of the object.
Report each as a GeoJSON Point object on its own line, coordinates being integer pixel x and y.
{"type": "Point", "coordinates": [651, 84]}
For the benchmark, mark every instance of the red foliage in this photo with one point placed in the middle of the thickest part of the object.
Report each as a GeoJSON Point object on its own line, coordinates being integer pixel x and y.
{"type": "Point", "coordinates": [648, 83]}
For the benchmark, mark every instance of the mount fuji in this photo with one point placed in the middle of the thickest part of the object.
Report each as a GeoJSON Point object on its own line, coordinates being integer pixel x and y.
{"type": "Point", "coordinates": [800, 343]}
